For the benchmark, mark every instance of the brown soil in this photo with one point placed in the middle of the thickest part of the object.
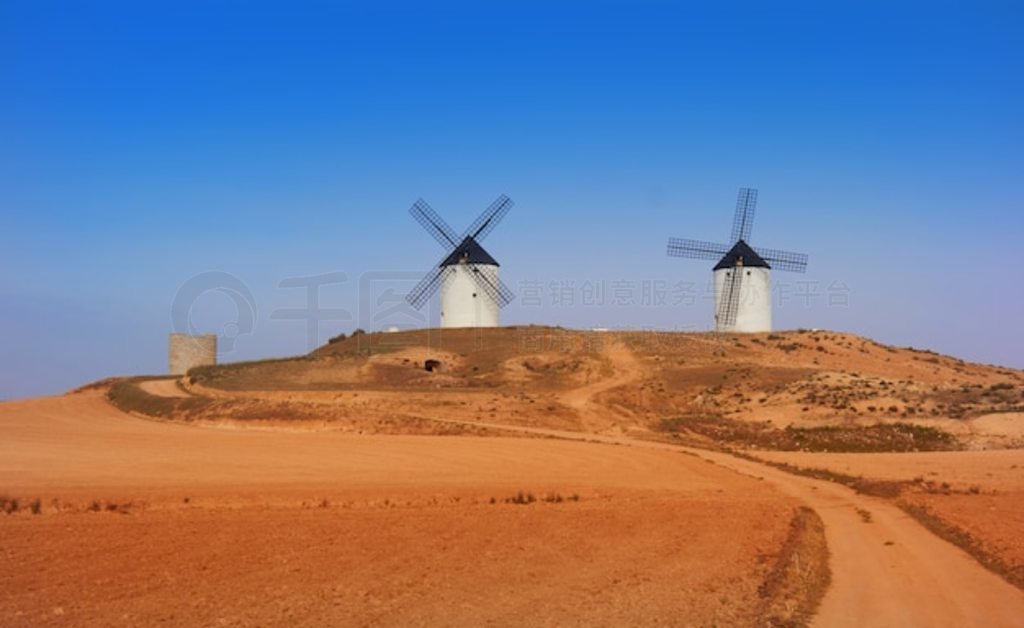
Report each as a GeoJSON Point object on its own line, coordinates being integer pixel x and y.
{"type": "Point", "coordinates": [144, 522]}
{"type": "Point", "coordinates": [887, 568]}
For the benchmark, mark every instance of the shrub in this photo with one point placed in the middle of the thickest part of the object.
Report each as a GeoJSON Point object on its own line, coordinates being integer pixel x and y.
{"type": "Point", "coordinates": [521, 498]}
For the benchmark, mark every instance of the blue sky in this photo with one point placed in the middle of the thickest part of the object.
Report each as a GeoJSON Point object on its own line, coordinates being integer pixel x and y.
{"type": "Point", "coordinates": [142, 144]}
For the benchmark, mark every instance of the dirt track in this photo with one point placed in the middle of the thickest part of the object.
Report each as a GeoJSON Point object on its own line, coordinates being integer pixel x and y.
{"type": "Point", "coordinates": [887, 572]}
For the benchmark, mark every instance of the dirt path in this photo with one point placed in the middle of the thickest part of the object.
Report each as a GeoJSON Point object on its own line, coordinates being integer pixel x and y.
{"type": "Point", "coordinates": [163, 388]}
{"type": "Point", "coordinates": [627, 370]}
{"type": "Point", "coordinates": [889, 571]}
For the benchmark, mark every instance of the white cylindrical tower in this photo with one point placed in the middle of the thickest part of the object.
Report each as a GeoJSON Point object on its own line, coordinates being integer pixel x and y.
{"type": "Point", "coordinates": [464, 301]}
{"type": "Point", "coordinates": [754, 305]}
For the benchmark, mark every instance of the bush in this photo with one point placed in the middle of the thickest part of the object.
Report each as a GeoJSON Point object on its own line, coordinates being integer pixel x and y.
{"type": "Point", "coordinates": [9, 505]}
{"type": "Point", "coordinates": [521, 498]}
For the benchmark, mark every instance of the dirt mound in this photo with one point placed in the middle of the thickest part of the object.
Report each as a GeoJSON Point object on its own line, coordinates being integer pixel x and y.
{"type": "Point", "coordinates": [618, 382]}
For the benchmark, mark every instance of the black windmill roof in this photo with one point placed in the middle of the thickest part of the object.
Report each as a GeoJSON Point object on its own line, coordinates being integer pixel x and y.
{"type": "Point", "coordinates": [741, 252]}
{"type": "Point", "coordinates": [469, 251]}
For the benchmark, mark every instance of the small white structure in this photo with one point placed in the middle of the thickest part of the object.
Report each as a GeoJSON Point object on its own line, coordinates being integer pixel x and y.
{"type": "Point", "coordinates": [464, 300]}
{"type": "Point", "coordinates": [750, 308]}
{"type": "Point", "coordinates": [743, 288]}
{"type": "Point", "coordinates": [185, 351]}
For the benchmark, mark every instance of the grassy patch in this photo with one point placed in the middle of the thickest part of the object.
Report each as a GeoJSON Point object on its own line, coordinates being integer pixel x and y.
{"type": "Point", "coordinates": [882, 437]}
{"type": "Point", "coordinates": [227, 375]}
{"type": "Point", "coordinates": [876, 488]}
{"type": "Point", "coordinates": [127, 396]}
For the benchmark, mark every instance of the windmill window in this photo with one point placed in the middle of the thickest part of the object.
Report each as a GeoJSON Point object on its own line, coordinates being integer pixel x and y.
{"type": "Point", "coordinates": [474, 295]}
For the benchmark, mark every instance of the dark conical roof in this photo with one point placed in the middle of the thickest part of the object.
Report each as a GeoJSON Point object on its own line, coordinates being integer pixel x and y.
{"type": "Point", "coordinates": [741, 253]}
{"type": "Point", "coordinates": [469, 252]}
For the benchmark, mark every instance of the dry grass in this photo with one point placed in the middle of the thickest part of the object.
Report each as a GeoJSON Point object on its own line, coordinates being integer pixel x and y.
{"type": "Point", "coordinates": [876, 488]}
{"type": "Point", "coordinates": [126, 395]}
{"type": "Point", "coordinates": [845, 439]}
{"type": "Point", "coordinates": [797, 583]}
{"type": "Point", "coordinates": [1012, 573]}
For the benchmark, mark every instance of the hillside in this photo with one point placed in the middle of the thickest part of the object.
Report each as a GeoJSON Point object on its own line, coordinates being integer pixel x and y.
{"type": "Point", "coordinates": [590, 508]}
{"type": "Point", "coordinates": [800, 390]}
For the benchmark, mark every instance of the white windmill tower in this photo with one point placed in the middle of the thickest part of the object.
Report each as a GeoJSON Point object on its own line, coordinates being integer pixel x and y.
{"type": "Point", "coordinates": [743, 297]}
{"type": "Point", "coordinates": [471, 292]}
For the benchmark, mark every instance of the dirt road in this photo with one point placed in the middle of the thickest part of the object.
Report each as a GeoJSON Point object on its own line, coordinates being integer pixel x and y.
{"type": "Point", "coordinates": [889, 571]}
{"type": "Point", "coordinates": [626, 370]}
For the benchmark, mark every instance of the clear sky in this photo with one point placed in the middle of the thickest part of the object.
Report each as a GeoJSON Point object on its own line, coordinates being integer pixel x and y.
{"type": "Point", "coordinates": [145, 143]}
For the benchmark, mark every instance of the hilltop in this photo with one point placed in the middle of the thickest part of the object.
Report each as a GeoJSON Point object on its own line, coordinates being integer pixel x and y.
{"type": "Point", "coordinates": [797, 390]}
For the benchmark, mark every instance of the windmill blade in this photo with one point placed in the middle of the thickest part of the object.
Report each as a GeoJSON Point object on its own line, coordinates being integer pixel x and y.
{"type": "Point", "coordinates": [492, 286]}
{"type": "Point", "coordinates": [696, 249]}
{"type": "Point", "coordinates": [490, 218]}
{"type": "Point", "coordinates": [784, 260]}
{"type": "Point", "coordinates": [434, 225]}
{"type": "Point", "coordinates": [729, 303]}
{"type": "Point", "coordinates": [426, 288]}
{"type": "Point", "coordinates": [743, 221]}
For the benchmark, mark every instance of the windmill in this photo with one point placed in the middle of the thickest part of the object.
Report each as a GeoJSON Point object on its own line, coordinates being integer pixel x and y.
{"type": "Point", "coordinates": [471, 292]}
{"type": "Point", "coordinates": [742, 275]}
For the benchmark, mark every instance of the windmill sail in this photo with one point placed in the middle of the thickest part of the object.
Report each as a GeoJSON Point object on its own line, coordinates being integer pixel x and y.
{"type": "Point", "coordinates": [489, 219]}
{"type": "Point", "coordinates": [696, 249]}
{"type": "Point", "coordinates": [784, 260]}
{"type": "Point", "coordinates": [729, 304]}
{"type": "Point", "coordinates": [426, 288]}
{"type": "Point", "coordinates": [743, 220]}
{"type": "Point", "coordinates": [488, 281]}
{"type": "Point", "coordinates": [462, 251]}
{"type": "Point", "coordinates": [433, 224]}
